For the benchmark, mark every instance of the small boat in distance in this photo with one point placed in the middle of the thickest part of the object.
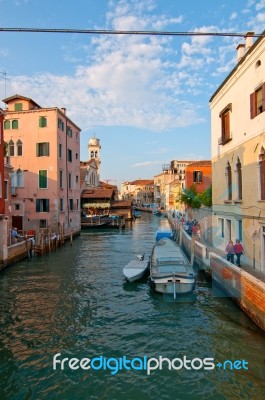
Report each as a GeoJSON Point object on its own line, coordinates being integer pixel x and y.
{"type": "Point", "coordinates": [170, 270]}
{"type": "Point", "coordinates": [163, 232]}
{"type": "Point", "coordinates": [135, 269]}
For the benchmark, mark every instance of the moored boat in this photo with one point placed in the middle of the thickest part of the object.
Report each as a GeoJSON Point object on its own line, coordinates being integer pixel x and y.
{"type": "Point", "coordinates": [170, 270]}
{"type": "Point", "coordinates": [95, 221]}
{"type": "Point", "coordinates": [135, 269]}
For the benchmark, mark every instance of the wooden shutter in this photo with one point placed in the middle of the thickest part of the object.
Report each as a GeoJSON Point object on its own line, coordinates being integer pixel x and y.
{"type": "Point", "coordinates": [253, 111]}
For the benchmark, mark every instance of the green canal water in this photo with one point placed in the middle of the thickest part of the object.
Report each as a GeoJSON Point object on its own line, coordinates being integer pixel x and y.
{"type": "Point", "coordinates": [77, 303]}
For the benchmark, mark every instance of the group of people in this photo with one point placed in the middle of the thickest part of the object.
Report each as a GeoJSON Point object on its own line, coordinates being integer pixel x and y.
{"type": "Point", "coordinates": [192, 227]}
{"type": "Point", "coordinates": [233, 250]}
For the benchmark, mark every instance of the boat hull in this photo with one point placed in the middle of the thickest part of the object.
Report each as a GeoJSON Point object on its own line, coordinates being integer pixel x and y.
{"type": "Point", "coordinates": [171, 286]}
{"type": "Point", "coordinates": [135, 270]}
{"type": "Point", "coordinates": [170, 270]}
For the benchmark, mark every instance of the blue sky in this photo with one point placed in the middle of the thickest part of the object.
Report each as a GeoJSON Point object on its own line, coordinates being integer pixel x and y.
{"type": "Point", "coordinates": [145, 97]}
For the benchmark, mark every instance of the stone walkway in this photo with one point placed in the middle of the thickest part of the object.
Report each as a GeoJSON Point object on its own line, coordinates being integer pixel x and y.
{"type": "Point", "coordinates": [259, 275]}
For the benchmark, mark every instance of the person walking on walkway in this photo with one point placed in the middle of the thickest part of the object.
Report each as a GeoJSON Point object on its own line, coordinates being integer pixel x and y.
{"type": "Point", "coordinates": [239, 250]}
{"type": "Point", "coordinates": [230, 251]}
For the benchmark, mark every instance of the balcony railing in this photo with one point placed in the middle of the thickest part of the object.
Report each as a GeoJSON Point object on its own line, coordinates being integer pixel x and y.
{"type": "Point", "coordinates": [225, 139]}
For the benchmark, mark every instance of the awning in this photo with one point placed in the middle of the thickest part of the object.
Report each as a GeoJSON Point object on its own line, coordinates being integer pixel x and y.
{"type": "Point", "coordinates": [96, 205]}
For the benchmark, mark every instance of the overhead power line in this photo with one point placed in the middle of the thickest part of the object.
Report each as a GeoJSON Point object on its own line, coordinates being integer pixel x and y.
{"type": "Point", "coordinates": [115, 32]}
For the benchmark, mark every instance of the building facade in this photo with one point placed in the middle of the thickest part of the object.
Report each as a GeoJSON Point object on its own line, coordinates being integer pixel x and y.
{"type": "Point", "coordinates": [199, 175]}
{"type": "Point", "coordinates": [171, 180]}
{"type": "Point", "coordinates": [2, 151]}
{"type": "Point", "coordinates": [238, 154]}
{"type": "Point", "coordinates": [140, 191]}
{"type": "Point", "coordinates": [43, 148]}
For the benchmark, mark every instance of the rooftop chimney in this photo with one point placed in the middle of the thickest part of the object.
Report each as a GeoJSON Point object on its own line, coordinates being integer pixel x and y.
{"type": "Point", "coordinates": [63, 110]}
{"type": "Point", "coordinates": [249, 39]}
{"type": "Point", "coordinates": [240, 51]}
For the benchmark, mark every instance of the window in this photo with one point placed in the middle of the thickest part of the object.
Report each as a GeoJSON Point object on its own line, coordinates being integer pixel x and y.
{"type": "Point", "coordinates": [43, 223]}
{"type": "Point", "coordinates": [239, 179]}
{"type": "Point", "coordinates": [6, 190]}
{"type": "Point", "coordinates": [229, 181]}
{"type": "Point", "coordinates": [197, 176]}
{"type": "Point", "coordinates": [14, 124]}
{"type": "Point", "coordinates": [11, 148]}
{"type": "Point", "coordinates": [69, 131]}
{"type": "Point", "coordinates": [19, 148]}
{"type": "Point", "coordinates": [76, 156]}
{"type": "Point", "coordinates": [60, 124]}
{"type": "Point", "coordinates": [262, 174]}
{"type": "Point", "coordinates": [61, 205]}
{"type": "Point", "coordinates": [92, 154]}
{"type": "Point", "coordinates": [61, 179]}
{"type": "Point", "coordinates": [17, 207]}
{"type": "Point", "coordinates": [225, 125]}
{"type": "Point", "coordinates": [42, 205]}
{"type": "Point", "coordinates": [257, 102]}
{"type": "Point", "coordinates": [69, 180]}
{"type": "Point", "coordinates": [221, 227]}
{"type": "Point", "coordinates": [60, 150]}
{"type": "Point", "coordinates": [7, 124]}
{"type": "Point", "coordinates": [76, 136]}
{"type": "Point", "coordinates": [19, 178]}
{"type": "Point", "coordinates": [42, 122]}
{"type": "Point", "coordinates": [69, 155]}
{"type": "Point", "coordinates": [71, 204]}
{"type": "Point", "coordinates": [42, 149]}
{"type": "Point", "coordinates": [43, 179]}
{"type": "Point", "coordinates": [18, 106]}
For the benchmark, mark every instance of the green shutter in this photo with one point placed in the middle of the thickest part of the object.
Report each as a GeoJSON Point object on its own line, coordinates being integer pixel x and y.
{"type": "Point", "coordinates": [7, 124]}
{"type": "Point", "coordinates": [18, 106]}
{"type": "Point", "coordinates": [42, 122]}
{"type": "Point", "coordinates": [43, 179]}
{"type": "Point", "coordinates": [15, 124]}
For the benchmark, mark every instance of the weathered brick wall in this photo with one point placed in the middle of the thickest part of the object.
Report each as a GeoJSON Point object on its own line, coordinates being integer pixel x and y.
{"type": "Point", "coordinates": [246, 290]}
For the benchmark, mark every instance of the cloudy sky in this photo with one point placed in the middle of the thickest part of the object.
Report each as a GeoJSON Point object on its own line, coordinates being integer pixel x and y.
{"type": "Point", "coordinates": [145, 97]}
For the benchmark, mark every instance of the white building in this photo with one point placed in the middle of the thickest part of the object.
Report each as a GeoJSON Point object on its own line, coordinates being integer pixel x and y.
{"type": "Point", "coordinates": [238, 154]}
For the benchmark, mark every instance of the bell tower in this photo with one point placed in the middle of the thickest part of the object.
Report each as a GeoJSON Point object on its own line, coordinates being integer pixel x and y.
{"type": "Point", "coordinates": [94, 151]}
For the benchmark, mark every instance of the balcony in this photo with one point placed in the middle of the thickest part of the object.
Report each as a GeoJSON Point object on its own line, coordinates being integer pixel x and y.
{"type": "Point", "coordinates": [225, 139]}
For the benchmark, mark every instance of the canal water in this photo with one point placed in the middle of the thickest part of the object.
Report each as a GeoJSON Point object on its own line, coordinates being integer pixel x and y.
{"type": "Point", "coordinates": [76, 302]}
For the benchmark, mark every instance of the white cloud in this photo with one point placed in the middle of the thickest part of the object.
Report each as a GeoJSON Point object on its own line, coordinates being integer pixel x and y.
{"type": "Point", "coordinates": [260, 5]}
{"type": "Point", "coordinates": [145, 164]}
{"type": "Point", "coordinates": [233, 16]}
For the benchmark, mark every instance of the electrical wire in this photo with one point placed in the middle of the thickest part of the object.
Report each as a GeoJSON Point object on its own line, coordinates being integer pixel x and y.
{"type": "Point", "coordinates": [125, 32]}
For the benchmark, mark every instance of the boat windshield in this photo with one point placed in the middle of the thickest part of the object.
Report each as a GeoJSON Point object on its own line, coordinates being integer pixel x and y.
{"type": "Point", "coordinates": [171, 264]}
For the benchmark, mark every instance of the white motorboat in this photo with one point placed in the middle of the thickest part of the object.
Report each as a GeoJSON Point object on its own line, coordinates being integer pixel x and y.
{"type": "Point", "coordinates": [170, 270]}
{"type": "Point", "coordinates": [136, 269]}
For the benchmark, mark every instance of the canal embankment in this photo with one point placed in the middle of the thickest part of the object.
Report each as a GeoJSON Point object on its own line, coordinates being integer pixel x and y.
{"type": "Point", "coordinates": [244, 285]}
{"type": "Point", "coordinates": [34, 245]}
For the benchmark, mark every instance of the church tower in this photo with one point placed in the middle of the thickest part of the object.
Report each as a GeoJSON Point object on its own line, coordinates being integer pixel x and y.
{"type": "Point", "coordinates": [94, 151]}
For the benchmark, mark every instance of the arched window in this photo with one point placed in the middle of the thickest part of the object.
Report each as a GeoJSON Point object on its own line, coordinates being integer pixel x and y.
{"type": "Point", "coordinates": [96, 154]}
{"type": "Point", "coordinates": [92, 154]}
{"type": "Point", "coordinates": [229, 181]}
{"type": "Point", "coordinates": [11, 148]}
{"type": "Point", "coordinates": [262, 173]}
{"type": "Point", "coordinates": [15, 124]}
{"type": "Point", "coordinates": [7, 124]}
{"type": "Point", "coordinates": [20, 178]}
{"type": "Point", "coordinates": [239, 179]}
{"type": "Point", "coordinates": [19, 148]}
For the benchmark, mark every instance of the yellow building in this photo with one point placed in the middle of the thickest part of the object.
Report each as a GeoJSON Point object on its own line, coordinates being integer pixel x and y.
{"type": "Point", "coordinates": [238, 154]}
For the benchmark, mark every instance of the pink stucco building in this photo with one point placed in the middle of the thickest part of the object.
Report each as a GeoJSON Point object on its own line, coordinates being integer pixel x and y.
{"type": "Point", "coordinates": [43, 146]}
